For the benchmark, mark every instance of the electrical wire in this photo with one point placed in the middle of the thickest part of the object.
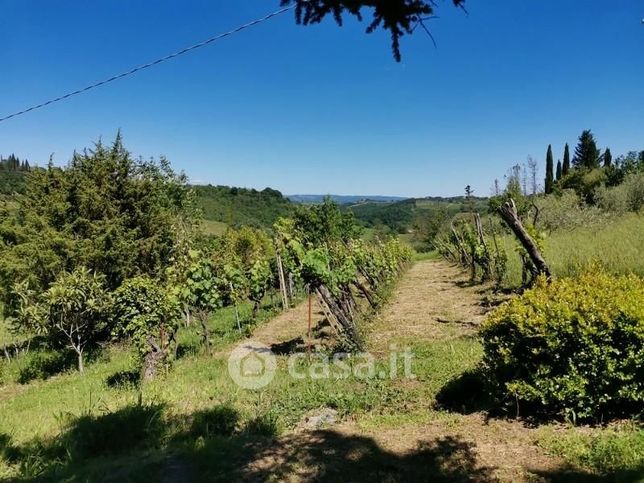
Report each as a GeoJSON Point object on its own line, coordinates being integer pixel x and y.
{"type": "Point", "coordinates": [150, 64]}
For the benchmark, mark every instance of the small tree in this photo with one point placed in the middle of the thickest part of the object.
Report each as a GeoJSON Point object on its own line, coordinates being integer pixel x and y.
{"type": "Point", "coordinates": [608, 158]}
{"type": "Point", "coordinates": [147, 314]}
{"type": "Point", "coordinates": [550, 179]}
{"type": "Point", "coordinates": [75, 307]}
{"type": "Point", "coordinates": [565, 167]}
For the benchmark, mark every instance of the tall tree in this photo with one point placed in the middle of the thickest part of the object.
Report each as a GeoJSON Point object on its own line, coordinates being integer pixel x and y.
{"type": "Point", "coordinates": [558, 174]}
{"type": "Point", "coordinates": [608, 158]}
{"type": "Point", "coordinates": [586, 152]}
{"type": "Point", "coordinates": [115, 215]}
{"type": "Point", "coordinates": [550, 181]}
{"type": "Point", "coordinates": [565, 168]}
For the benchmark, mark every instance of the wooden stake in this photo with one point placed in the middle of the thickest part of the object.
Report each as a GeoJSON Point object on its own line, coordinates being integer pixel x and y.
{"type": "Point", "coordinates": [280, 270]}
{"type": "Point", "coordinates": [308, 342]}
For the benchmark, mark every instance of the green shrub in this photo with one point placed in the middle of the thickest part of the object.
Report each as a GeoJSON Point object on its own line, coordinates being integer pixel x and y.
{"type": "Point", "coordinates": [574, 347]}
{"type": "Point", "coordinates": [566, 211]}
{"type": "Point", "coordinates": [628, 196]}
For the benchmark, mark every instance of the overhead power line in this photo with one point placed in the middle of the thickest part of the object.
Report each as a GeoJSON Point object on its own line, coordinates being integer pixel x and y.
{"type": "Point", "coordinates": [150, 64]}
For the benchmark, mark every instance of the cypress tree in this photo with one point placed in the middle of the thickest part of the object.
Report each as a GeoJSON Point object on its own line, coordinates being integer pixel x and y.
{"type": "Point", "coordinates": [565, 169]}
{"type": "Point", "coordinates": [558, 175]}
{"type": "Point", "coordinates": [549, 171]}
{"type": "Point", "coordinates": [586, 152]}
{"type": "Point", "coordinates": [608, 158]}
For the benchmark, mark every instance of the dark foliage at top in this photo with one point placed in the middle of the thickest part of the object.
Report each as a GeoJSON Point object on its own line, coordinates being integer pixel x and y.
{"type": "Point", "coordinates": [399, 17]}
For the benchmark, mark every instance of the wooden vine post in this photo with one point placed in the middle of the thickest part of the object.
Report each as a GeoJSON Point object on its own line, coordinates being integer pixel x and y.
{"type": "Point", "coordinates": [487, 269]}
{"type": "Point", "coordinates": [308, 334]}
{"type": "Point", "coordinates": [282, 280]}
{"type": "Point", "coordinates": [509, 214]}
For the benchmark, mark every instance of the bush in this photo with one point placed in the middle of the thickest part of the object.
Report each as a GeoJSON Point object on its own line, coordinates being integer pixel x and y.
{"type": "Point", "coordinates": [628, 196]}
{"type": "Point", "coordinates": [574, 347]}
{"type": "Point", "coordinates": [566, 212]}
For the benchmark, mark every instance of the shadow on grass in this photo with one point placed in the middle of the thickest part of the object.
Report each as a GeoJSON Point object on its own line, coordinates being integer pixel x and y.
{"type": "Point", "coordinates": [466, 394]}
{"type": "Point", "coordinates": [43, 363]}
{"type": "Point", "coordinates": [147, 443]}
{"type": "Point", "coordinates": [288, 347]}
{"type": "Point", "coordinates": [124, 380]}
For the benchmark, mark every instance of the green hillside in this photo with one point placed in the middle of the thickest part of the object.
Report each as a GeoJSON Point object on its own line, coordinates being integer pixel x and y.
{"type": "Point", "coordinates": [241, 206]}
{"type": "Point", "coordinates": [405, 216]}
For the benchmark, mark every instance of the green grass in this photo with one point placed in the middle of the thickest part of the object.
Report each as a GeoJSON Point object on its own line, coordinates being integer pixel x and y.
{"type": "Point", "coordinates": [46, 422]}
{"type": "Point", "coordinates": [194, 420]}
{"type": "Point", "coordinates": [617, 450]}
{"type": "Point", "coordinates": [617, 245]}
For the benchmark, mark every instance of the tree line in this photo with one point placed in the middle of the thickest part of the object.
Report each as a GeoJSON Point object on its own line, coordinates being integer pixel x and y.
{"type": "Point", "coordinates": [573, 174]}
{"type": "Point", "coordinates": [109, 248]}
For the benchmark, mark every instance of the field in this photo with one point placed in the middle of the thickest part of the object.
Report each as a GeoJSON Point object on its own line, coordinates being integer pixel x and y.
{"type": "Point", "coordinates": [616, 244]}
{"type": "Point", "coordinates": [194, 423]}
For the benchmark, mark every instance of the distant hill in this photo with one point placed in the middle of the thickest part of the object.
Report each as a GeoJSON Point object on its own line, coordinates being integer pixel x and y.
{"type": "Point", "coordinates": [403, 216]}
{"type": "Point", "coordinates": [344, 199]}
{"type": "Point", "coordinates": [230, 206]}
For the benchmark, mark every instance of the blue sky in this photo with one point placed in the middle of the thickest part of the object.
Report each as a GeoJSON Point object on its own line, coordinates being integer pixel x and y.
{"type": "Point", "coordinates": [324, 109]}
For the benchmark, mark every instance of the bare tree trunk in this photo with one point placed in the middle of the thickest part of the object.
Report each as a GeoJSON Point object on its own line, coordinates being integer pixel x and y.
{"type": "Point", "coordinates": [151, 364]}
{"type": "Point", "coordinates": [203, 320]}
{"type": "Point", "coordinates": [508, 213]}
{"type": "Point", "coordinates": [256, 307]}
{"type": "Point", "coordinates": [81, 365]}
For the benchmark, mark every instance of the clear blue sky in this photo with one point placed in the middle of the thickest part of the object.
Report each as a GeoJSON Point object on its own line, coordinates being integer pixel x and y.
{"type": "Point", "coordinates": [325, 109]}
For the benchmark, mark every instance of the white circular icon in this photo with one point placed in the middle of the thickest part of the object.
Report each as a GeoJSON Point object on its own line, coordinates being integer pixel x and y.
{"type": "Point", "coordinates": [252, 365]}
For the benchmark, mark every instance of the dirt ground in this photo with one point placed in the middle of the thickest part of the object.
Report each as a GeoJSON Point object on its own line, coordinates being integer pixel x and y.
{"type": "Point", "coordinates": [434, 301]}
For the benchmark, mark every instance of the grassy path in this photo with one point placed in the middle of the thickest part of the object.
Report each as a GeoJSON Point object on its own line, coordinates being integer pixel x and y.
{"type": "Point", "coordinates": [196, 424]}
{"type": "Point", "coordinates": [432, 307]}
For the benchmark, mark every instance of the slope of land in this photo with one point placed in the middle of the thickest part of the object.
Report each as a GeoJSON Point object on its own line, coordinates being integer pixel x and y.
{"type": "Point", "coordinates": [195, 424]}
{"type": "Point", "coordinates": [241, 206]}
